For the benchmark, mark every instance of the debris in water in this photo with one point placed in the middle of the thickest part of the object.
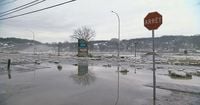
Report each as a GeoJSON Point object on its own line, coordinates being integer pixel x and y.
{"type": "Point", "coordinates": [37, 62]}
{"type": "Point", "coordinates": [56, 62]}
{"type": "Point", "coordinates": [59, 67]}
{"type": "Point", "coordinates": [107, 65]}
{"type": "Point", "coordinates": [125, 70]}
{"type": "Point", "coordinates": [179, 74]}
{"type": "Point", "coordinates": [75, 64]}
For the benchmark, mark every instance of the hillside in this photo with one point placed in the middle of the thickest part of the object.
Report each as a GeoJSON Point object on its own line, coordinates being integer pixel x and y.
{"type": "Point", "coordinates": [16, 44]}
{"type": "Point", "coordinates": [165, 43]}
{"type": "Point", "coordinates": [162, 44]}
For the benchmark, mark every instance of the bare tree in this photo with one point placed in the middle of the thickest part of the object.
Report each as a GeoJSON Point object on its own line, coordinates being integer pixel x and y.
{"type": "Point", "coordinates": [84, 32]}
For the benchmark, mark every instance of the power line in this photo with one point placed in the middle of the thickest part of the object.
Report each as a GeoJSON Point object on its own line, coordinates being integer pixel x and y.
{"type": "Point", "coordinates": [23, 8]}
{"type": "Point", "coordinates": [18, 7]}
{"type": "Point", "coordinates": [37, 10]}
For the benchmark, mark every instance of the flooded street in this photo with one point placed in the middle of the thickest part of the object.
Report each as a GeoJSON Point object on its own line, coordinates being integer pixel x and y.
{"type": "Point", "coordinates": [98, 52]}
{"type": "Point", "coordinates": [73, 81]}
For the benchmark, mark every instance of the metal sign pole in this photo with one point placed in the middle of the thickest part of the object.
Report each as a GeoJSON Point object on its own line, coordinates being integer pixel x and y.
{"type": "Point", "coordinates": [154, 71]}
{"type": "Point", "coordinates": [135, 48]}
{"type": "Point", "coordinates": [8, 68]}
{"type": "Point", "coordinates": [152, 21]}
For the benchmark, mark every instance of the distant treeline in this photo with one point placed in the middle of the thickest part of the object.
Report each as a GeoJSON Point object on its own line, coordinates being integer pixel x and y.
{"type": "Point", "coordinates": [163, 44]}
{"type": "Point", "coordinates": [17, 41]}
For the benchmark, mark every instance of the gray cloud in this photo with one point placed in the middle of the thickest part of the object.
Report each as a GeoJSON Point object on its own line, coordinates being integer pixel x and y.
{"type": "Point", "coordinates": [6, 2]}
{"type": "Point", "coordinates": [59, 23]}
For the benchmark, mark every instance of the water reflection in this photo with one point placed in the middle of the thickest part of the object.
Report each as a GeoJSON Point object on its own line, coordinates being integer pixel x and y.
{"type": "Point", "coordinates": [117, 100]}
{"type": "Point", "coordinates": [135, 70]}
{"type": "Point", "coordinates": [83, 76]}
{"type": "Point", "coordinates": [82, 67]}
{"type": "Point", "coordinates": [9, 74]}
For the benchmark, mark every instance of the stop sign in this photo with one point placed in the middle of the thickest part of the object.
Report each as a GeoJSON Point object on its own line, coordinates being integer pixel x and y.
{"type": "Point", "coordinates": [153, 20]}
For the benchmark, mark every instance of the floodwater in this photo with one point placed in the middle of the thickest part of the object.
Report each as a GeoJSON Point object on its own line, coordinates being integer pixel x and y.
{"type": "Point", "coordinates": [82, 84]}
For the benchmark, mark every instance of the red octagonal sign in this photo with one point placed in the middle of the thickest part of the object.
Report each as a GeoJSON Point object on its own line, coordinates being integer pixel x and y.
{"type": "Point", "coordinates": [153, 20]}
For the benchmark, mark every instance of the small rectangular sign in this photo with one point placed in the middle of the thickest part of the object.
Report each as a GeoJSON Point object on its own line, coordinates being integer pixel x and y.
{"type": "Point", "coordinates": [82, 48]}
{"type": "Point", "coordinates": [82, 43]}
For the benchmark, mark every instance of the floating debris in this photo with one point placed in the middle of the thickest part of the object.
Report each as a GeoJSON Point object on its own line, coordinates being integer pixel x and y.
{"type": "Point", "coordinates": [124, 71]}
{"type": "Point", "coordinates": [159, 67]}
{"type": "Point", "coordinates": [179, 74]}
{"type": "Point", "coordinates": [197, 73]}
{"type": "Point", "coordinates": [59, 67]}
{"type": "Point", "coordinates": [75, 64]}
{"type": "Point", "coordinates": [140, 68]}
{"type": "Point", "coordinates": [122, 57]}
{"type": "Point", "coordinates": [107, 65]}
{"type": "Point", "coordinates": [56, 62]}
{"type": "Point", "coordinates": [96, 58]}
{"type": "Point", "coordinates": [132, 65]}
{"type": "Point", "coordinates": [37, 62]}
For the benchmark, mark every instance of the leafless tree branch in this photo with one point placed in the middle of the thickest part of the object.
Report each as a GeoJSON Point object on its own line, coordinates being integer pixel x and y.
{"type": "Point", "coordinates": [84, 32]}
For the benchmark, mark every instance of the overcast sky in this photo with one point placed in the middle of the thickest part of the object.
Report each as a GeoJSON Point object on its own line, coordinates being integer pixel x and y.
{"type": "Point", "coordinates": [180, 17]}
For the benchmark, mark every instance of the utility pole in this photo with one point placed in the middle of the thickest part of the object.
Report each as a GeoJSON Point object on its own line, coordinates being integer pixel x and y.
{"type": "Point", "coordinates": [33, 42]}
{"type": "Point", "coordinates": [59, 45]}
{"type": "Point", "coordinates": [118, 18]}
{"type": "Point", "coordinates": [135, 47]}
{"type": "Point", "coordinates": [34, 47]}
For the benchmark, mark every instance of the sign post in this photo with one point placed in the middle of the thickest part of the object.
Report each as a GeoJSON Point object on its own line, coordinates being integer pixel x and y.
{"type": "Point", "coordinates": [152, 21]}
